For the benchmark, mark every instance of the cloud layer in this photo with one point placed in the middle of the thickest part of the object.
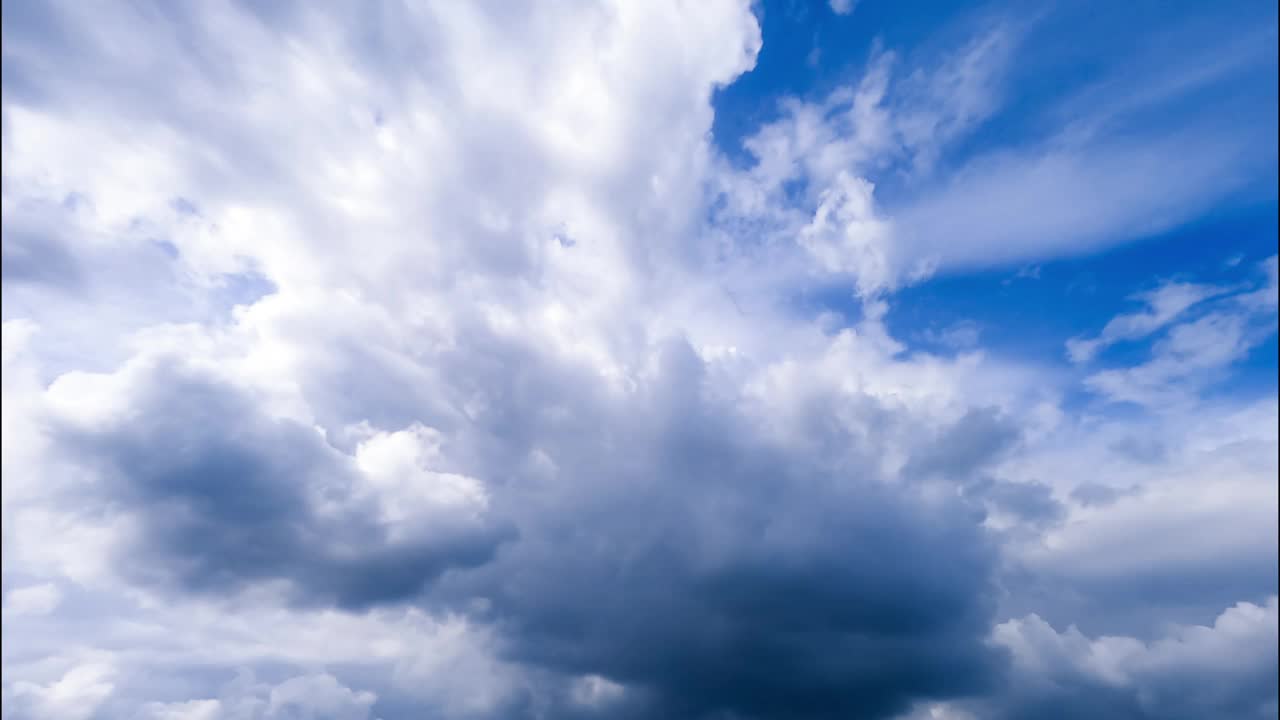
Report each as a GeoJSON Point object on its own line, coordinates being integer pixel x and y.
{"type": "Point", "coordinates": [435, 360]}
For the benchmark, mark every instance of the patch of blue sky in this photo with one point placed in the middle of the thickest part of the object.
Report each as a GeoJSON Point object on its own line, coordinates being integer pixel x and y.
{"type": "Point", "coordinates": [808, 51]}
{"type": "Point", "coordinates": [1029, 310]}
{"type": "Point", "coordinates": [1147, 71]}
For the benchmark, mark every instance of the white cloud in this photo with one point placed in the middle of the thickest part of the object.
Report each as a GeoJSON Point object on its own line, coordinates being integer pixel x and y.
{"type": "Point", "coordinates": [1164, 304]}
{"type": "Point", "coordinates": [74, 696]}
{"type": "Point", "coordinates": [961, 335]}
{"type": "Point", "coordinates": [842, 7]}
{"type": "Point", "coordinates": [1060, 195]}
{"type": "Point", "coordinates": [1053, 202]}
{"type": "Point", "coordinates": [1191, 671]}
{"type": "Point", "coordinates": [32, 600]}
{"type": "Point", "coordinates": [185, 710]}
{"type": "Point", "coordinates": [1141, 522]}
{"type": "Point", "coordinates": [1194, 352]}
{"type": "Point", "coordinates": [304, 696]}
{"type": "Point", "coordinates": [319, 694]}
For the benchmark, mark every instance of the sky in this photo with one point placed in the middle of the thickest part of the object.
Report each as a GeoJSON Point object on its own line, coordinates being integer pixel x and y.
{"type": "Point", "coordinates": [694, 360]}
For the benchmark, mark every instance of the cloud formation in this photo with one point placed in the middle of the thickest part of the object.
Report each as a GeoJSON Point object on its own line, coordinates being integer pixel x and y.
{"type": "Point", "coordinates": [438, 360]}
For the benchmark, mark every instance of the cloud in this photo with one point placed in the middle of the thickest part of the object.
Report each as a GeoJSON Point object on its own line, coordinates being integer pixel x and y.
{"type": "Point", "coordinates": [1230, 665]}
{"type": "Point", "coordinates": [38, 599]}
{"type": "Point", "coordinates": [245, 498]}
{"type": "Point", "coordinates": [1193, 353]}
{"type": "Point", "coordinates": [957, 336]}
{"type": "Point", "coordinates": [305, 696]}
{"type": "Point", "coordinates": [743, 555]}
{"type": "Point", "coordinates": [29, 257]}
{"type": "Point", "coordinates": [815, 168]}
{"type": "Point", "coordinates": [974, 440]}
{"type": "Point", "coordinates": [74, 696]}
{"type": "Point", "coordinates": [1025, 206]}
{"type": "Point", "coordinates": [1096, 494]}
{"type": "Point", "coordinates": [748, 551]}
{"type": "Point", "coordinates": [1118, 561]}
{"type": "Point", "coordinates": [1164, 304]}
{"type": "Point", "coordinates": [875, 182]}
{"type": "Point", "coordinates": [843, 7]}
{"type": "Point", "coordinates": [434, 360]}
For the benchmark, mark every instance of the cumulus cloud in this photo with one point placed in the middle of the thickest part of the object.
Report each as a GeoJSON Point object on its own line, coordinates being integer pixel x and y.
{"type": "Point", "coordinates": [305, 696]}
{"type": "Point", "coordinates": [1223, 670]}
{"type": "Point", "coordinates": [747, 559]}
{"type": "Point", "coordinates": [76, 695]}
{"type": "Point", "coordinates": [245, 498]}
{"type": "Point", "coordinates": [1118, 561]}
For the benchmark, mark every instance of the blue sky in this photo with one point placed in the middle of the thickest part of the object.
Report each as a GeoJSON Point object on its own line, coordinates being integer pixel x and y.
{"type": "Point", "coordinates": [607, 359]}
{"type": "Point", "coordinates": [1026, 309]}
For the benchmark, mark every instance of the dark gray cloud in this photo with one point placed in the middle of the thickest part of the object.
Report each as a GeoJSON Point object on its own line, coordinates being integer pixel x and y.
{"type": "Point", "coordinates": [684, 555]}
{"type": "Point", "coordinates": [1140, 449]}
{"type": "Point", "coordinates": [226, 497]}
{"type": "Point", "coordinates": [34, 257]}
{"type": "Point", "coordinates": [677, 551]}
{"type": "Point", "coordinates": [1096, 494]}
{"type": "Point", "coordinates": [1031, 503]}
{"type": "Point", "coordinates": [965, 447]}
